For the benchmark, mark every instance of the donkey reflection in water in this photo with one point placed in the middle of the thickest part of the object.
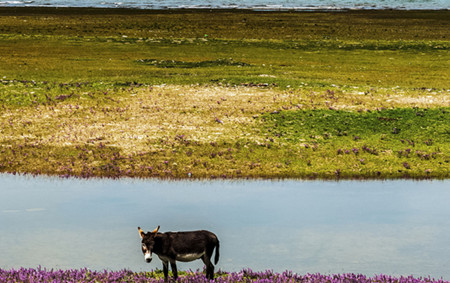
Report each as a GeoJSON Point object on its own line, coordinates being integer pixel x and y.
{"type": "Point", "coordinates": [181, 246]}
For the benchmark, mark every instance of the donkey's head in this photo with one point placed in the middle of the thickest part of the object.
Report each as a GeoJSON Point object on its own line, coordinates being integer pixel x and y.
{"type": "Point", "coordinates": [148, 242]}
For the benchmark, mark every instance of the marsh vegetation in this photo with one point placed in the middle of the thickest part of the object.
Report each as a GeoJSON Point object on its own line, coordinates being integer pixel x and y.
{"type": "Point", "coordinates": [229, 94]}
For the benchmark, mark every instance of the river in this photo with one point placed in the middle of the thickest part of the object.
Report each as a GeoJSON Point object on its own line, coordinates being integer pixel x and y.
{"type": "Point", "coordinates": [391, 227]}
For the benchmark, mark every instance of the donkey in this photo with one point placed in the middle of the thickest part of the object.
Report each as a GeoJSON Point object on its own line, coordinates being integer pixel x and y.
{"type": "Point", "coordinates": [181, 246]}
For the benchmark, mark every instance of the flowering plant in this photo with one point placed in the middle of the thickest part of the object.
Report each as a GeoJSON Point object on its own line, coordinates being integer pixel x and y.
{"type": "Point", "coordinates": [246, 275]}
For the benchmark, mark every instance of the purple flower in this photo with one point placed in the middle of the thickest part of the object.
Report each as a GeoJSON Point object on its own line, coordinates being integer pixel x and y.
{"type": "Point", "coordinates": [245, 275]}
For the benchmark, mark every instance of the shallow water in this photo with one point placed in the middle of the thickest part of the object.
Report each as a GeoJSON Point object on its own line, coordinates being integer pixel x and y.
{"type": "Point", "coordinates": [372, 227]}
{"type": "Point", "coordinates": [231, 4]}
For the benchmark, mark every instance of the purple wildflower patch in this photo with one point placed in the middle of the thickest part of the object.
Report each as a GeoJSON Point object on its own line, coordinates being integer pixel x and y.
{"type": "Point", "coordinates": [246, 275]}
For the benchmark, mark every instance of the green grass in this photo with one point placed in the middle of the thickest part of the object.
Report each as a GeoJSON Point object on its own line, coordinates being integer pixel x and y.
{"type": "Point", "coordinates": [364, 48]}
{"type": "Point", "coordinates": [371, 127]}
{"type": "Point", "coordinates": [390, 143]}
{"type": "Point", "coordinates": [417, 64]}
{"type": "Point", "coordinates": [232, 94]}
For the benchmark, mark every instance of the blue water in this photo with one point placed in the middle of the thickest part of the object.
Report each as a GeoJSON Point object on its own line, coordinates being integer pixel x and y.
{"type": "Point", "coordinates": [389, 227]}
{"type": "Point", "coordinates": [234, 4]}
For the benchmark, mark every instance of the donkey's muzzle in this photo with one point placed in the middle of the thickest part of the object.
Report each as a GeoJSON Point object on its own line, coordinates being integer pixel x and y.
{"type": "Point", "coordinates": [148, 257]}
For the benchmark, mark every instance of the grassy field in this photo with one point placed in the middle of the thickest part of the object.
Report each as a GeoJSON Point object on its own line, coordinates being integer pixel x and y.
{"type": "Point", "coordinates": [224, 94]}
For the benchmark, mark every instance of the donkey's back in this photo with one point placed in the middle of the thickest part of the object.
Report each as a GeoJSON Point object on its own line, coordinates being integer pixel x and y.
{"type": "Point", "coordinates": [191, 245]}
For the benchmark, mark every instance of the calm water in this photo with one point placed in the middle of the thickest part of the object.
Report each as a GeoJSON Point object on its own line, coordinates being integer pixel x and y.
{"type": "Point", "coordinates": [233, 4]}
{"type": "Point", "coordinates": [395, 227]}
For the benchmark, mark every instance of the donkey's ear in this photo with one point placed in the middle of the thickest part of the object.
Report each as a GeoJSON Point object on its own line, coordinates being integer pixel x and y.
{"type": "Point", "coordinates": [141, 233]}
{"type": "Point", "coordinates": [156, 230]}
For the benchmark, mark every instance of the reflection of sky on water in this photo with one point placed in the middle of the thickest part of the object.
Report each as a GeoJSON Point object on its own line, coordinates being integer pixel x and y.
{"type": "Point", "coordinates": [232, 4]}
{"type": "Point", "coordinates": [395, 227]}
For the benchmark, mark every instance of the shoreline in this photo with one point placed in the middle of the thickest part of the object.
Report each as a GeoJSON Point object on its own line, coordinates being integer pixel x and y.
{"type": "Point", "coordinates": [136, 10]}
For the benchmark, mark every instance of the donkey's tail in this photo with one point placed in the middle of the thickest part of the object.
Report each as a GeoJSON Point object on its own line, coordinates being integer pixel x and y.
{"type": "Point", "coordinates": [216, 257]}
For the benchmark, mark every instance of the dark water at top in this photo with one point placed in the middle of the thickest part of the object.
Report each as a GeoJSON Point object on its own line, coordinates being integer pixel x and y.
{"type": "Point", "coordinates": [390, 227]}
{"type": "Point", "coordinates": [232, 4]}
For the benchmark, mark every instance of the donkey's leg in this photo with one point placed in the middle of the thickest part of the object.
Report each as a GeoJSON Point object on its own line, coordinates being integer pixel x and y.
{"type": "Point", "coordinates": [166, 271]}
{"type": "Point", "coordinates": [173, 265]}
{"type": "Point", "coordinates": [209, 267]}
{"type": "Point", "coordinates": [211, 272]}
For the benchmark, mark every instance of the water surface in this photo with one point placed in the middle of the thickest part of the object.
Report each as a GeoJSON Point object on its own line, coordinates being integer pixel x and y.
{"type": "Point", "coordinates": [390, 227]}
{"type": "Point", "coordinates": [232, 4]}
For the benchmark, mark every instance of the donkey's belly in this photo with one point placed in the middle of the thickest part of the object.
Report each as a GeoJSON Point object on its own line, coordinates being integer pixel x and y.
{"type": "Point", "coordinates": [189, 257]}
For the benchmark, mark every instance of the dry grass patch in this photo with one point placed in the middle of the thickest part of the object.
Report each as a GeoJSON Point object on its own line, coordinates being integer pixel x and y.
{"type": "Point", "coordinates": [138, 117]}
